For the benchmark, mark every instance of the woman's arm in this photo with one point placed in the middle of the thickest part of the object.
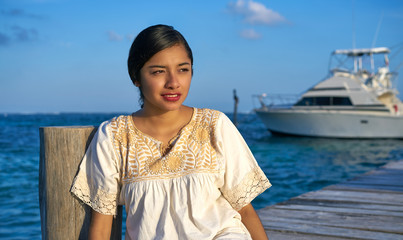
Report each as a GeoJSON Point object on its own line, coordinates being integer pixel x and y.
{"type": "Point", "coordinates": [252, 222]}
{"type": "Point", "coordinates": [101, 226]}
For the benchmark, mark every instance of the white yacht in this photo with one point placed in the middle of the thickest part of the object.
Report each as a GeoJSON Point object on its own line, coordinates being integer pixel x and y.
{"type": "Point", "coordinates": [356, 100]}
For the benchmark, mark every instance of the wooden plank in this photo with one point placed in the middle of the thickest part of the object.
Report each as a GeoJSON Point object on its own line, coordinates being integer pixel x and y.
{"type": "Point", "coordinates": [280, 235]}
{"type": "Point", "coordinates": [340, 209]}
{"type": "Point", "coordinates": [349, 196]}
{"type": "Point", "coordinates": [364, 220]}
{"type": "Point", "coordinates": [365, 187]}
{"type": "Point", "coordinates": [334, 204]}
{"type": "Point", "coordinates": [390, 181]}
{"type": "Point", "coordinates": [369, 206]}
{"type": "Point", "coordinates": [335, 219]}
{"type": "Point", "coordinates": [345, 233]}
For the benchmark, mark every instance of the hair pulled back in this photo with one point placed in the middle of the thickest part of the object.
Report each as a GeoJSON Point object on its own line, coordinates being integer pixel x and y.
{"type": "Point", "coordinates": [149, 42]}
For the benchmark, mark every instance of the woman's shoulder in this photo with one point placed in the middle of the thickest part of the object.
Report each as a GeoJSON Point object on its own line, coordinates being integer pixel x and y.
{"type": "Point", "coordinates": [212, 115]}
{"type": "Point", "coordinates": [115, 124]}
{"type": "Point", "coordinates": [208, 112]}
{"type": "Point", "coordinates": [120, 120]}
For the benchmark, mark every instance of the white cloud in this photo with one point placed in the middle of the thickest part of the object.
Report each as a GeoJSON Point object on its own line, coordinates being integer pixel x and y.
{"type": "Point", "coordinates": [4, 39]}
{"type": "Point", "coordinates": [17, 12]}
{"type": "Point", "coordinates": [17, 33]}
{"type": "Point", "coordinates": [24, 34]}
{"type": "Point", "coordinates": [113, 36]}
{"type": "Point", "coordinates": [255, 13]}
{"type": "Point", "coordinates": [250, 34]}
{"type": "Point", "coordinates": [130, 37]}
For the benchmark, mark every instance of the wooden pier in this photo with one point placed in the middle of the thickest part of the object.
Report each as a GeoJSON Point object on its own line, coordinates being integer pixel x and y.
{"type": "Point", "coordinates": [369, 206]}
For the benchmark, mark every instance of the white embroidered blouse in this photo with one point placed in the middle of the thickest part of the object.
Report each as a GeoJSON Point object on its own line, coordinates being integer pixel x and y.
{"type": "Point", "coordinates": [191, 192]}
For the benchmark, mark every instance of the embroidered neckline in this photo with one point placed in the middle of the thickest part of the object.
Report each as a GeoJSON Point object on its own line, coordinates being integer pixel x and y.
{"type": "Point", "coordinates": [164, 150]}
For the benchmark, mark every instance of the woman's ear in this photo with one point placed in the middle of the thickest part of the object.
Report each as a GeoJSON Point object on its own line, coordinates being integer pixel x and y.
{"type": "Point", "coordinates": [137, 83]}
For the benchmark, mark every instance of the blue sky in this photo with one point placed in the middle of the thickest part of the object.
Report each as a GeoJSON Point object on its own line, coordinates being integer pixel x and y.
{"type": "Point", "coordinates": [70, 55]}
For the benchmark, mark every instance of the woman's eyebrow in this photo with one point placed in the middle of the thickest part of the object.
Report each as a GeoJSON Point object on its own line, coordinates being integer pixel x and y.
{"type": "Point", "coordinates": [161, 66]}
{"type": "Point", "coordinates": [184, 63]}
{"type": "Point", "coordinates": [156, 66]}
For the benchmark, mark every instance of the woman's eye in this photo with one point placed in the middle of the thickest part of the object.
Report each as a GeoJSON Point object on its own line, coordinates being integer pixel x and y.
{"type": "Point", "coordinates": [157, 72]}
{"type": "Point", "coordinates": [184, 70]}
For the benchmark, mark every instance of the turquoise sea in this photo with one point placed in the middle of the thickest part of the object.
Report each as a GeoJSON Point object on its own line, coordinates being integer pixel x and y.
{"type": "Point", "coordinates": [293, 165]}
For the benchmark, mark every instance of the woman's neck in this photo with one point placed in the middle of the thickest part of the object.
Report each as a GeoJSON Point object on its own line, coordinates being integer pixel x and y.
{"type": "Point", "coordinates": [162, 125]}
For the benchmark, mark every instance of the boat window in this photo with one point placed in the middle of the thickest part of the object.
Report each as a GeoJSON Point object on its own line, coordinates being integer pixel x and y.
{"type": "Point", "coordinates": [342, 101]}
{"type": "Point", "coordinates": [306, 101]}
{"type": "Point", "coordinates": [324, 101]}
{"type": "Point", "coordinates": [328, 89]}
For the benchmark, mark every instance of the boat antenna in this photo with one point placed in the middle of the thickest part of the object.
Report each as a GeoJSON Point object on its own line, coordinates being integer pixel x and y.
{"type": "Point", "coordinates": [353, 30]}
{"type": "Point", "coordinates": [399, 49]}
{"type": "Point", "coordinates": [353, 25]}
{"type": "Point", "coordinates": [377, 31]}
{"type": "Point", "coordinates": [398, 67]}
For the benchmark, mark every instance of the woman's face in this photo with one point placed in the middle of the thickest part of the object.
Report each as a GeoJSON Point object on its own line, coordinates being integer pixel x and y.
{"type": "Point", "coordinates": [165, 79]}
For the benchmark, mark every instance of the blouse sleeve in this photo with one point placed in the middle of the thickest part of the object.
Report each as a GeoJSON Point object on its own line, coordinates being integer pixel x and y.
{"type": "Point", "coordinates": [97, 182]}
{"type": "Point", "coordinates": [243, 178]}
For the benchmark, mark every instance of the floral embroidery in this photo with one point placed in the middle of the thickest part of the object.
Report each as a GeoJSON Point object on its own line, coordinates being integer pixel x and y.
{"type": "Point", "coordinates": [201, 134]}
{"type": "Point", "coordinates": [143, 157]}
{"type": "Point", "coordinates": [174, 162]}
{"type": "Point", "coordinates": [171, 163]}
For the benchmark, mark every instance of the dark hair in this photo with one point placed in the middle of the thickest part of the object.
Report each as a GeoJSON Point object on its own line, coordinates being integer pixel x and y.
{"type": "Point", "coordinates": [149, 42]}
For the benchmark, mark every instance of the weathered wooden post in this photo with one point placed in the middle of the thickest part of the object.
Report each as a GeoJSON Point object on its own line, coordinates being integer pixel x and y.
{"type": "Point", "coordinates": [62, 215]}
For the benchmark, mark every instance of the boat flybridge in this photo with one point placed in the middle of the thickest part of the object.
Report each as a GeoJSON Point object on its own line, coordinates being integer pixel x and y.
{"type": "Point", "coordinates": [357, 100]}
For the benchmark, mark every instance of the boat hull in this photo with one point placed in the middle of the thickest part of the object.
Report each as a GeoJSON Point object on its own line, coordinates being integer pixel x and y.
{"type": "Point", "coordinates": [332, 124]}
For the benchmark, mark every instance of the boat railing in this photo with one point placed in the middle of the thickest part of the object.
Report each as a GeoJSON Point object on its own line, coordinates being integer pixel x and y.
{"type": "Point", "coordinates": [276, 100]}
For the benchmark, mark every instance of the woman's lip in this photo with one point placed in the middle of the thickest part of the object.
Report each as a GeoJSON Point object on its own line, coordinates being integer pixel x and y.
{"type": "Point", "coordinates": [171, 96]}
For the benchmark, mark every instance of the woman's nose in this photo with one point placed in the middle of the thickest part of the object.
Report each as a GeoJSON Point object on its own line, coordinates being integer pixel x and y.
{"type": "Point", "coordinates": [172, 81]}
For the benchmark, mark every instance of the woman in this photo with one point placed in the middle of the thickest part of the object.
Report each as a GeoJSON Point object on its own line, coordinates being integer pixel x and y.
{"type": "Point", "coordinates": [181, 172]}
